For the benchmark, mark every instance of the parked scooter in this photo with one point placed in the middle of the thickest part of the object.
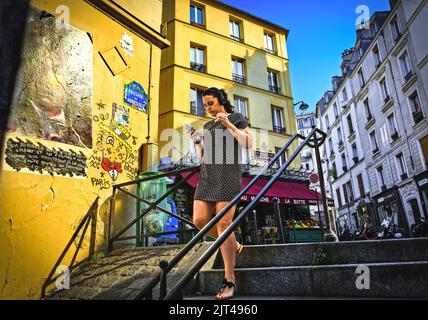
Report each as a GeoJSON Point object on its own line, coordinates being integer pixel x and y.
{"type": "Point", "coordinates": [389, 230]}
{"type": "Point", "coordinates": [420, 229]}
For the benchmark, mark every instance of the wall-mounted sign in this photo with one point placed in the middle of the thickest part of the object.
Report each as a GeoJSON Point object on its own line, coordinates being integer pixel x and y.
{"type": "Point", "coordinates": [135, 96]}
{"type": "Point", "coordinates": [313, 178]}
{"type": "Point", "coordinates": [262, 155]}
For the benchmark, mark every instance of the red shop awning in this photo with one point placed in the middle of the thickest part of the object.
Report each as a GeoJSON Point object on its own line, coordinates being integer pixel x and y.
{"type": "Point", "coordinates": [291, 193]}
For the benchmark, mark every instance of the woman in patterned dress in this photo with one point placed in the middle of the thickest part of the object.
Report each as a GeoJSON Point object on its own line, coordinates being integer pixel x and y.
{"type": "Point", "coordinates": [220, 175]}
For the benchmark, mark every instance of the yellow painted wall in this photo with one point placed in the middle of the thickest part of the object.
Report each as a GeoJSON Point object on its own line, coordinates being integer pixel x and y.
{"type": "Point", "coordinates": [176, 77]}
{"type": "Point", "coordinates": [40, 212]}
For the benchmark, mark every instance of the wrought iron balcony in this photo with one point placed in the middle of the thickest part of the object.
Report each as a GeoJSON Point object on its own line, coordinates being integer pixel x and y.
{"type": "Point", "coordinates": [278, 129]}
{"type": "Point", "coordinates": [238, 78]}
{"type": "Point", "coordinates": [270, 51]}
{"type": "Point", "coordinates": [417, 116]}
{"type": "Point", "coordinates": [197, 67]}
{"type": "Point", "coordinates": [239, 39]}
{"type": "Point", "coordinates": [408, 76]}
{"type": "Point", "coordinates": [198, 111]}
{"type": "Point", "coordinates": [275, 89]}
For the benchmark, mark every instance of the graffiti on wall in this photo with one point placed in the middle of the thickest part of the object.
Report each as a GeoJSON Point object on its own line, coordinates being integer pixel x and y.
{"type": "Point", "coordinates": [53, 92]}
{"type": "Point", "coordinates": [115, 152]}
{"type": "Point", "coordinates": [39, 158]}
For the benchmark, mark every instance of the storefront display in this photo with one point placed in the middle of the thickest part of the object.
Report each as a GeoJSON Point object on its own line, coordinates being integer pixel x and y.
{"type": "Point", "coordinates": [422, 183]}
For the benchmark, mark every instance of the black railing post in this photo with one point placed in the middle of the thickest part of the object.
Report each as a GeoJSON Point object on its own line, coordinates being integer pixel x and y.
{"type": "Point", "coordinates": [329, 234]}
{"type": "Point", "coordinates": [278, 217]}
{"type": "Point", "coordinates": [164, 269]}
{"type": "Point", "coordinates": [109, 246]}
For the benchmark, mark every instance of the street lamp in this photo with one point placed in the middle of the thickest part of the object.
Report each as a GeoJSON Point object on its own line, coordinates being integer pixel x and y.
{"type": "Point", "coordinates": [303, 106]}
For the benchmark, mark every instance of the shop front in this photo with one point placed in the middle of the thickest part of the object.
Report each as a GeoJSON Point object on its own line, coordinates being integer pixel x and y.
{"type": "Point", "coordinates": [388, 205]}
{"type": "Point", "coordinates": [290, 222]}
{"type": "Point", "coordinates": [422, 183]}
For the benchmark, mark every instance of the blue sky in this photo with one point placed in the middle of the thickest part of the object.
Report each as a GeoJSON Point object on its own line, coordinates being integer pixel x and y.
{"type": "Point", "coordinates": [319, 32]}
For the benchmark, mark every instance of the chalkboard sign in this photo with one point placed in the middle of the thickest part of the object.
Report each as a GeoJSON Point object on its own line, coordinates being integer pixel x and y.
{"type": "Point", "coordinates": [135, 96]}
{"type": "Point", "coordinates": [37, 157]}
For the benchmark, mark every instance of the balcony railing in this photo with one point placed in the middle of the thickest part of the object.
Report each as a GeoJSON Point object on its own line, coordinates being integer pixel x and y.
{"type": "Point", "coordinates": [417, 116]}
{"type": "Point", "coordinates": [238, 78]}
{"type": "Point", "coordinates": [197, 67]}
{"type": "Point", "coordinates": [199, 111]}
{"type": "Point", "coordinates": [408, 76]}
{"type": "Point", "coordinates": [272, 51]}
{"type": "Point", "coordinates": [236, 38]}
{"type": "Point", "coordinates": [279, 129]}
{"type": "Point", "coordinates": [275, 89]}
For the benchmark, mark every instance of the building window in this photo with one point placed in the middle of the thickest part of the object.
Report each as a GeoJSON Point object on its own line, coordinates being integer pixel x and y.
{"type": "Point", "coordinates": [344, 95]}
{"type": "Point", "coordinates": [345, 194]}
{"type": "Point", "coordinates": [401, 164]}
{"type": "Point", "coordinates": [339, 198]}
{"type": "Point", "coordinates": [361, 80]}
{"type": "Point", "coordinates": [373, 142]}
{"type": "Point", "coordinates": [269, 43]}
{"type": "Point", "coordinates": [395, 28]}
{"type": "Point", "coordinates": [245, 158]}
{"type": "Point", "coordinates": [376, 56]}
{"type": "Point", "coordinates": [392, 126]}
{"type": "Point", "coordinates": [331, 146]}
{"type": "Point", "coordinates": [273, 82]}
{"type": "Point", "coordinates": [339, 136]}
{"type": "Point", "coordinates": [350, 125]}
{"type": "Point", "coordinates": [241, 106]}
{"type": "Point", "coordinates": [282, 158]}
{"type": "Point", "coordinates": [361, 186]}
{"type": "Point", "coordinates": [406, 67]}
{"type": "Point", "coordinates": [196, 15]}
{"type": "Point", "coordinates": [367, 109]}
{"type": "Point", "coordinates": [424, 147]}
{"type": "Point", "coordinates": [344, 166]}
{"type": "Point", "coordinates": [351, 191]}
{"type": "Point", "coordinates": [277, 121]}
{"type": "Point", "coordinates": [415, 107]}
{"type": "Point", "coordinates": [381, 178]}
{"type": "Point", "coordinates": [235, 30]}
{"type": "Point", "coordinates": [354, 153]}
{"type": "Point", "coordinates": [196, 104]}
{"type": "Point", "coordinates": [197, 59]}
{"type": "Point", "coordinates": [336, 112]}
{"type": "Point", "coordinates": [238, 71]}
{"type": "Point", "coordinates": [384, 90]}
{"type": "Point", "coordinates": [327, 123]}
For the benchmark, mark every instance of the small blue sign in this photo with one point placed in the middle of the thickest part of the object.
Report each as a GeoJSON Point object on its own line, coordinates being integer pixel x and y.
{"type": "Point", "coordinates": [135, 96]}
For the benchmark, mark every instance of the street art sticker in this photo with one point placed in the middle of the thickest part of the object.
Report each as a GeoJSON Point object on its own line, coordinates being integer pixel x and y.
{"type": "Point", "coordinates": [121, 115]}
{"type": "Point", "coordinates": [127, 44]}
{"type": "Point", "coordinates": [114, 154]}
{"type": "Point", "coordinates": [53, 91]}
{"type": "Point", "coordinates": [39, 158]}
{"type": "Point", "coordinates": [135, 96]}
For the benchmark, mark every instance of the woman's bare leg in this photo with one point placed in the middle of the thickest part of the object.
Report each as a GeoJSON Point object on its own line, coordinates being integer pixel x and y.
{"type": "Point", "coordinates": [228, 248]}
{"type": "Point", "coordinates": [202, 214]}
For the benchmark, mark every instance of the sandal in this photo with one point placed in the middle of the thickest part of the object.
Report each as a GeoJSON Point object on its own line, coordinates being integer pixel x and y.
{"type": "Point", "coordinates": [225, 284]}
{"type": "Point", "coordinates": [240, 248]}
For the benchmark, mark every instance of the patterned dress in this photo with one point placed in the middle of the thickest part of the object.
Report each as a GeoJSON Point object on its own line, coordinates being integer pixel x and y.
{"type": "Point", "coordinates": [220, 176]}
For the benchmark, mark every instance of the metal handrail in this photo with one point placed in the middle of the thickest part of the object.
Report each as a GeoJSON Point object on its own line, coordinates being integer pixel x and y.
{"type": "Point", "coordinates": [175, 292]}
{"type": "Point", "coordinates": [146, 292]}
{"type": "Point", "coordinates": [151, 206]}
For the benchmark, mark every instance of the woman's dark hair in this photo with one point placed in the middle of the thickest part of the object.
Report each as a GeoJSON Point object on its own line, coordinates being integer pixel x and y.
{"type": "Point", "coordinates": [221, 96]}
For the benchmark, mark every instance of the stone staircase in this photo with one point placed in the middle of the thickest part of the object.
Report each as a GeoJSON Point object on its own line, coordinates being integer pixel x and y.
{"type": "Point", "coordinates": [397, 269]}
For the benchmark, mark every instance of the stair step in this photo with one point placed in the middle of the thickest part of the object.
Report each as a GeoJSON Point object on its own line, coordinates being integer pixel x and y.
{"type": "Point", "coordinates": [390, 279]}
{"type": "Point", "coordinates": [352, 252]}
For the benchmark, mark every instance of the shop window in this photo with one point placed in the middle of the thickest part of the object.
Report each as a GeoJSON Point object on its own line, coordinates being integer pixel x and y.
{"type": "Point", "coordinates": [415, 209]}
